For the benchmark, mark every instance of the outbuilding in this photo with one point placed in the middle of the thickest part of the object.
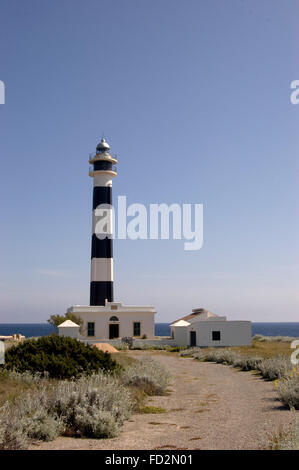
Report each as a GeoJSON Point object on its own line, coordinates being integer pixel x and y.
{"type": "Point", "coordinates": [68, 328]}
{"type": "Point", "coordinates": [206, 329]}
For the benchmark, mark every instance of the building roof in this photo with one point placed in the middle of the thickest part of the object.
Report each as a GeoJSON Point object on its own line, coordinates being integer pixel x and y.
{"type": "Point", "coordinates": [196, 312]}
{"type": "Point", "coordinates": [103, 146]}
{"type": "Point", "coordinates": [68, 323]}
{"type": "Point", "coordinates": [180, 323]}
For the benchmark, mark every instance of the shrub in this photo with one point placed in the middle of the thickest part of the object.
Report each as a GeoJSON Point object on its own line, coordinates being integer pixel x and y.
{"type": "Point", "coordinates": [199, 356]}
{"type": "Point", "coordinates": [247, 362]}
{"type": "Point", "coordinates": [221, 356]}
{"type": "Point", "coordinates": [275, 367]}
{"type": "Point", "coordinates": [28, 418]}
{"type": "Point", "coordinates": [99, 424]}
{"type": "Point", "coordinates": [60, 357]}
{"type": "Point", "coordinates": [190, 352]}
{"type": "Point", "coordinates": [288, 390]}
{"type": "Point", "coordinates": [92, 406]}
{"type": "Point", "coordinates": [148, 375]}
{"type": "Point", "coordinates": [28, 378]}
{"type": "Point", "coordinates": [99, 392]}
{"type": "Point", "coordinates": [12, 436]}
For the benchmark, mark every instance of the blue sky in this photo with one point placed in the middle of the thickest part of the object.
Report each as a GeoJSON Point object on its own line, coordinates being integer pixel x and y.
{"type": "Point", "coordinates": [194, 97]}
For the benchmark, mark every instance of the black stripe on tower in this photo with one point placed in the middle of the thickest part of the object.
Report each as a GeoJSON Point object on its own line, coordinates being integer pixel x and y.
{"type": "Point", "coordinates": [100, 291]}
{"type": "Point", "coordinates": [101, 248]}
{"type": "Point", "coordinates": [101, 195]}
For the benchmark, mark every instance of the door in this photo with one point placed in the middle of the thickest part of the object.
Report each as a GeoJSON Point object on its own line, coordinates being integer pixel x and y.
{"type": "Point", "coordinates": [192, 338]}
{"type": "Point", "coordinates": [113, 330]}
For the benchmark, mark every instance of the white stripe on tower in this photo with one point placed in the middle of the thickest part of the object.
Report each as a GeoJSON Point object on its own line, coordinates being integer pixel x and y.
{"type": "Point", "coordinates": [102, 171]}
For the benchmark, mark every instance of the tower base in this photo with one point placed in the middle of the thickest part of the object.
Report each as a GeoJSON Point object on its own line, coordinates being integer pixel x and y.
{"type": "Point", "coordinates": [100, 292]}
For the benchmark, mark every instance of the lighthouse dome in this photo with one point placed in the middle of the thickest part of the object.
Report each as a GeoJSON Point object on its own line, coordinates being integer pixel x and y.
{"type": "Point", "coordinates": [103, 146]}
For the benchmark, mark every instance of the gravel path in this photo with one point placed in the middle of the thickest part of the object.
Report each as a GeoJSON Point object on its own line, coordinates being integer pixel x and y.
{"type": "Point", "coordinates": [211, 406]}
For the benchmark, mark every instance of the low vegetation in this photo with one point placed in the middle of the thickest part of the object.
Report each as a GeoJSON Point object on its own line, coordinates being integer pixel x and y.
{"type": "Point", "coordinates": [152, 409]}
{"type": "Point", "coordinates": [147, 375]}
{"type": "Point", "coordinates": [288, 390]}
{"type": "Point", "coordinates": [60, 357]}
{"type": "Point", "coordinates": [39, 408]}
{"type": "Point", "coordinates": [92, 406]}
{"type": "Point", "coordinates": [10, 388]}
{"type": "Point", "coordinates": [284, 438]}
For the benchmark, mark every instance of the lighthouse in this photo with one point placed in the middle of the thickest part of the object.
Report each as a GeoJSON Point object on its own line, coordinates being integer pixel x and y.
{"type": "Point", "coordinates": [104, 318]}
{"type": "Point", "coordinates": [102, 171]}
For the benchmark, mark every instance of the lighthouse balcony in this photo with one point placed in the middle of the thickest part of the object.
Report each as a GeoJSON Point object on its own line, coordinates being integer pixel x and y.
{"type": "Point", "coordinates": [102, 156]}
{"type": "Point", "coordinates": [94, 169]}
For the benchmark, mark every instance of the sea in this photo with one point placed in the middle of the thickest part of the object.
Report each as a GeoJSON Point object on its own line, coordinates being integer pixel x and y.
{"type": "Point", "coordinates": [30, 330]}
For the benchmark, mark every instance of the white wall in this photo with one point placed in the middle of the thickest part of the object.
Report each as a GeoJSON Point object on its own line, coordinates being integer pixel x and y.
{"type": "Point", "coordinates": [233, 333]}
{"type": "Point", "coordinates": [181, 335]}
{"type": "Point", "coordinates": [70, 331]}
{"type": "Point", "coordinates": [126, 320]}
{"type": "Point", "coordinates": [126, 314]}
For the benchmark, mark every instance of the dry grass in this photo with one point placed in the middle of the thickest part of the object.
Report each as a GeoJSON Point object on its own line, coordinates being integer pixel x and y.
{"type": "Point", "coordinates": [263, 349]}
{"type": "Point", "coordinates": [152, 409]}
{"type": "Point", "coordinates": [10, 389]}
{"type": "Point", "coordinates": [123, 359]}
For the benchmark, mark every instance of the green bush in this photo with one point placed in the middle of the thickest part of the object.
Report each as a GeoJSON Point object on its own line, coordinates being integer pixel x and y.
{"type": "Point", "coordinates": [60, 357]}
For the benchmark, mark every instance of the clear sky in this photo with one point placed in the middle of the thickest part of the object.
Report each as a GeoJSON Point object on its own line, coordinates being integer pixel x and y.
{"type": "Point", "coordinates": [194, 97]}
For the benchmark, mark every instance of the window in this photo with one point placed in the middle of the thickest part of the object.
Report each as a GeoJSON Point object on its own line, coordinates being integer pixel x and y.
{"type": "Point", "coordinates": [90, 329]}
{"type": "Point", "coordinates": [113, 307]}
{"type": "Point", "coordinates": [136, 328]}
{"type": "Point", "coordinates": [113, 318]}
{"type": "Point", "coordinates": [216, 336]}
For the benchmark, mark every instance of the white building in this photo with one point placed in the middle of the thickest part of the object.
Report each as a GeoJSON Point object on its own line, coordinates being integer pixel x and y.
{"type": "Point", "coordinates": [68, 328]}
{"type": "Point", "coordinates": [203, 328]}
{"type": "Point", "coordinates": [115, 320]}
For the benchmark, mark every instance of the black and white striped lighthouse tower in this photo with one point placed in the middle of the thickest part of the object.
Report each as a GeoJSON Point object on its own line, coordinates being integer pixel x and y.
{"type": "Point", "coordinates": [102, 171]}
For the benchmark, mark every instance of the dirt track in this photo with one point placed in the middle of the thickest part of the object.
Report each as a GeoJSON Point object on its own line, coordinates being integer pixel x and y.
{"type": "Point", "coordinates": [211, 406]}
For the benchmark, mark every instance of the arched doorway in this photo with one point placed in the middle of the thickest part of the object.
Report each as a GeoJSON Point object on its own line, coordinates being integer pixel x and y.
{"type": "Point", "coordinates": [113, 327]}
